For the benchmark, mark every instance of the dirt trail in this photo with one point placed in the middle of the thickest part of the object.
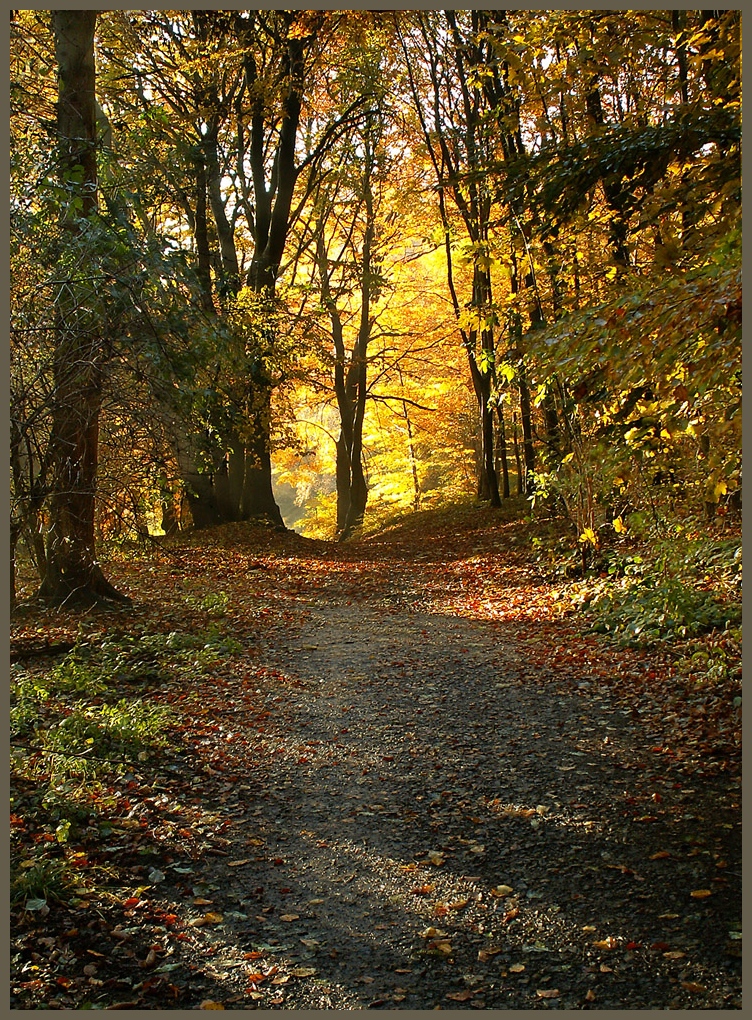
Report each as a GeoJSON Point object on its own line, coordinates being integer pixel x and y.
{"type": "Point", "coordinates": [409, 784]}
{"type": "Point", "coordinates": [428, 822]}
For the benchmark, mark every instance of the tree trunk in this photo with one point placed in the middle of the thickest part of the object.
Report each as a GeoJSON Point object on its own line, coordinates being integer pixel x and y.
{"type": "Point", "coordinates": [502, 450]}
{"type": "Point", "coordinates": [72, 572]}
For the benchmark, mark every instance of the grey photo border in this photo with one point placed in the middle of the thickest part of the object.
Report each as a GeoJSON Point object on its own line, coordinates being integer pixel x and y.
{"type": "Point", "coordinates": [4, 378]}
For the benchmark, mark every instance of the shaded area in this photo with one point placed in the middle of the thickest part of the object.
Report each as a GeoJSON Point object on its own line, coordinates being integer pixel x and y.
{"type": "Point", "coordinates": [408, 790]}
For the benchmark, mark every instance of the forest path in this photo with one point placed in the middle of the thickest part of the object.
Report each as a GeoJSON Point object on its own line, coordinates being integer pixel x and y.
{"type": "Point", "coordinates": [431, 816]}
{"type": "Point", "coordinates": [399, 776]}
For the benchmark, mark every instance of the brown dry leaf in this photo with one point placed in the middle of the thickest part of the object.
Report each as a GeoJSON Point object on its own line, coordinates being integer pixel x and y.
{"type": "Point", "coordinates": [547, 993]}
{"type": "Point", "coordinates": [432, 933]}
{"type": "Point", "coordinates": [460, 996]}
{"type": "Point", "coordinates": [210, 1004]}
{"type": "Point", "coordinates": [254, 842]}
{"type": "Point", "coordinates": [238, 864]}
{"type": "Point", "coordinates": [517, 968]}
{"type": "Point", "coordinates": [459, 904]}
{"type": "Point", "coordinates": [700, 894]}
{"type": "Point", "coordinates": [151, 959]}
{"type": "Point", "coordinates": [289, 917]}
{"type": "Point", "coordinates": [303, 972]}
{"type": "Point", "coordinates": [435, 857]}
{"type": "Point", "coordinates": [692, 986]}
{"type": "Point", "coordinates": [441, 947]}
{"type": "Point", "coordinates": [212, 918]}
{"type": "Point", "coordinates": [590, 995]}
{"type": "Point", "coordinates": [661, 855]}
{"type": "Point", "coordinates": [605, 969]}
{"type": "Point", "coordinates": [281, 980]}
{"type": "Point", "coordinates": [91, 968]}
{"type": "Point", "coordinates": [423, 890]}
{"type": "Point", "coordinates": [674, 954]}
{"type": "Point", "coordinates": [197, 922]}
{"type": "Point", "coordinates": [486, 954]}
{"type": "Point", "coordinates": [201, 902]}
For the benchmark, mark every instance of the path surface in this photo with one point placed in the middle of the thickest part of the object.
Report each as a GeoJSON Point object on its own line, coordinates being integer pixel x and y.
{"type": "Point", "coordinates": [426, 821]}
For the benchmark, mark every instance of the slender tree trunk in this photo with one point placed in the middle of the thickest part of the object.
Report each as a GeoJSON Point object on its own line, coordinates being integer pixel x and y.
{"type": "Point", "coordinates": [517, 460]}
{"type": "Point", "coordinates": [72, 572]}
{"type": "Point", "coordinates": [502, 450]}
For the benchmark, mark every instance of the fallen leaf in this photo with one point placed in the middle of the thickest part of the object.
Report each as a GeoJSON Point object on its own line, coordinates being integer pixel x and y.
{"type": "Point", "coordinates": [590, 995]}
{"type": "Point", "coordinates": [303, 972]}
{"type": "Point", "coordinates": [281, 980]}
{"type": "Point", "coordinates": [151, 959]}
{"type": "Point", "coordinates": [212, 918]}
{"type": "Point", "coordinates": [289, 917]}
{"type": "Point", "coordinates": [674, 954]}
{"type": "Point", "coordinates": [700, 894]}
{"type": "Point", "coordinates": [210, 1004]}
{"type": "Point", "coordinates": [661, 855]}
{"type": "Point", "coordinates": [432, 933]}
{"type": "Point", "coordinates": [423, 890]}
{"type": "Point", "coordinates": [608, 943]}
{"type": "Point", "coordinates": [517, 968]}
{"type": "Point", "coordinates": [547, 993]}
{"type": "Point", "coordinates": [501, 890]}
{"type": "Point", "coordinates": [458, 904]}
{"type": "Point", "coordinates": [692, 986]}
{"type": "Point", "coordinates": [460, 996]}
{"type": "Point", "coordinates": [435, 857]}
{"type": "Point", "coordinates": [441, 947]}
{"type": "Point", "coordinates": [486, 954]}
{"type": "Point", "coordinates": [201, 902]}
{"type": "Point", "coordinates": [238, 864]}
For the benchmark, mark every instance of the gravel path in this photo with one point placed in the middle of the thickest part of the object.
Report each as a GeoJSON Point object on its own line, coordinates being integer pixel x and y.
{"type": "Point", "coordinates": [426, 824]}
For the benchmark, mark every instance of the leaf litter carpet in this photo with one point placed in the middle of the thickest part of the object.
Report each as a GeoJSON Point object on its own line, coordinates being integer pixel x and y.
{"type": "Point", "coordinates": [421, 788]}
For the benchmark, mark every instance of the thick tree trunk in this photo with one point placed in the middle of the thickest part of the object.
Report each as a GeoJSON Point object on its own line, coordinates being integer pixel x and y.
{"type": "Point", "coordinates": [72, 572]}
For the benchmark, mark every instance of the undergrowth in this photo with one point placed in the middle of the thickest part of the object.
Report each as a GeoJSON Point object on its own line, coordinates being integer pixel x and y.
{"type": "Point", "coordinates": [78, 726]}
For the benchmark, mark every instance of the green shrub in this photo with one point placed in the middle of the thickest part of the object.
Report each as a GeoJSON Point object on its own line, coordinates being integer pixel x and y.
{"type": "Point", "coordinates": [654, 609]}
{"type": "Point", "coordinates": [125, 730]}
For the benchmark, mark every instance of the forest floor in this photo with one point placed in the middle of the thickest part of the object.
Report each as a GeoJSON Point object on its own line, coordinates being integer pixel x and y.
{"type": "Point", "coordinates": [406, 780]}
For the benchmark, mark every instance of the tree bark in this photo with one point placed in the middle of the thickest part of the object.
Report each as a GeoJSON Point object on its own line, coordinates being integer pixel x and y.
{"type": "Point", "coordinates": [73, 575]}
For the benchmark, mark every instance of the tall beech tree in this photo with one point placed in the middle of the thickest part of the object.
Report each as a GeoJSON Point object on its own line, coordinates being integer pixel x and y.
{"type": "Point", "coordinates": [71, 571]}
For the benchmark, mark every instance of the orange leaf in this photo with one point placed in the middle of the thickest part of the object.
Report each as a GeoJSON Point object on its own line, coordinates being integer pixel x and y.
{"type": "Point", "coordinates": [692, 986]}
{"type": "Point", "coordinates": [547, 993]}
{"type": "Point", "coordinates": [700, 894]}
{"type": "Point", "coordinates": [460, 996]}
{"type": "Point", "coordinates": [607, 943]}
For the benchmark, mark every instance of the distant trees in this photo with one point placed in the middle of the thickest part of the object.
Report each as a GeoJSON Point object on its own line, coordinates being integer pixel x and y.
{"type": "Point", "coordinates": [225, 232]}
